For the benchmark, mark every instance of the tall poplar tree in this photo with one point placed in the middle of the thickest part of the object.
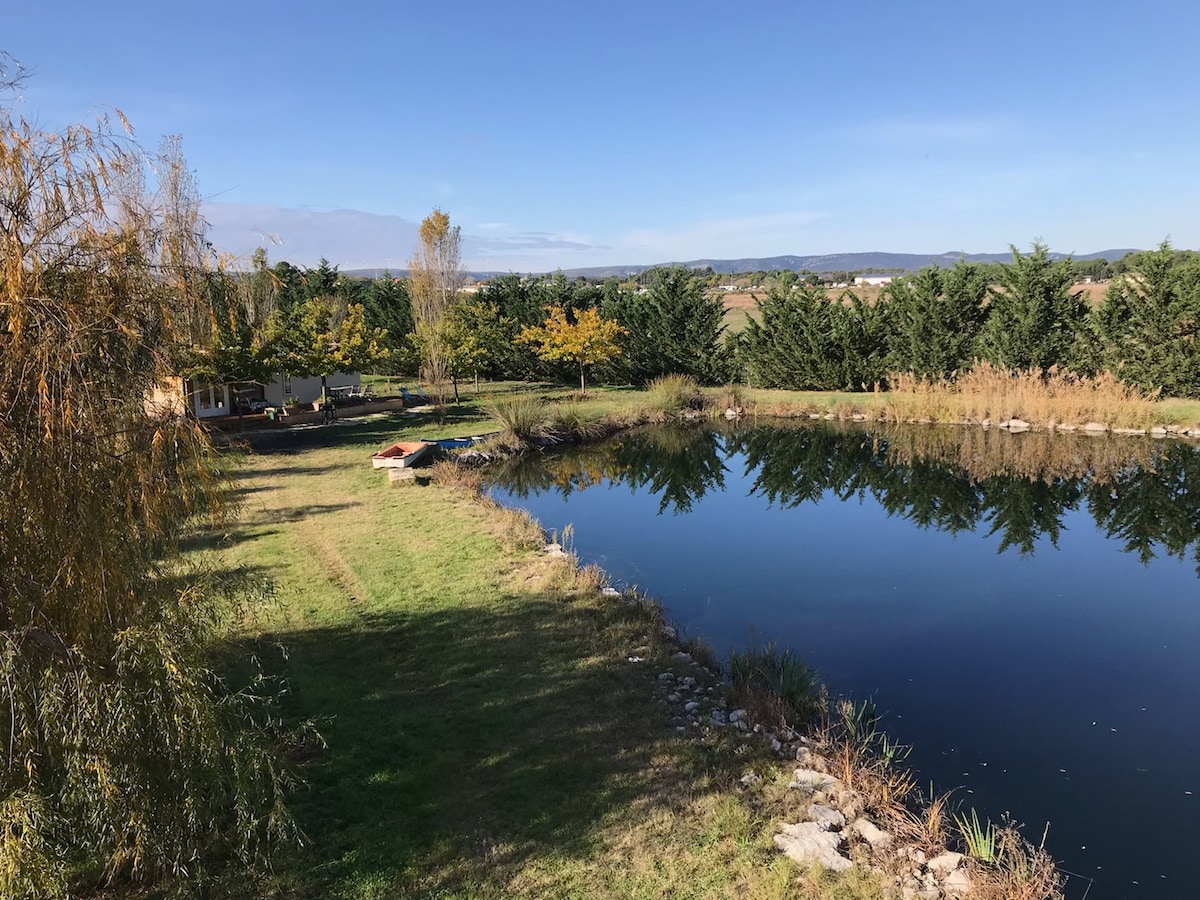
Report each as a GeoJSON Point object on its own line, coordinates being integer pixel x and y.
{"type": "Point", "coordinates": [434, 277]}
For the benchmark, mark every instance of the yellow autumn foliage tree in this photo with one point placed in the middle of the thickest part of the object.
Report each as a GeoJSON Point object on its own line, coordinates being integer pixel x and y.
{"type": "Point", "coordinates": [585, 340]}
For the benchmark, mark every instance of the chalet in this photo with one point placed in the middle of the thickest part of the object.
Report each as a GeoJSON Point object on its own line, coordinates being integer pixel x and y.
{"type": "Point", "coordinates": [208, 399]}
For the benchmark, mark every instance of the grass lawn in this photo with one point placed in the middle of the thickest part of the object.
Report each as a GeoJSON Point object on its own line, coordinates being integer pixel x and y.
{"type": "Point", "coordinates": [486, 735]}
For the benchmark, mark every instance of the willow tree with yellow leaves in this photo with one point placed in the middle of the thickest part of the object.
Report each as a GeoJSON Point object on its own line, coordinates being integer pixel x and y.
{"type": "Point", "coordinates": [125, 757]}
{"type": "Point", "coordinates": [584, 340]}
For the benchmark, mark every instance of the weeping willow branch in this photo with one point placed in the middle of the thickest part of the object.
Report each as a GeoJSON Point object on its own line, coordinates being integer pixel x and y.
{"type": "Point", "coordinates": [125, 752]}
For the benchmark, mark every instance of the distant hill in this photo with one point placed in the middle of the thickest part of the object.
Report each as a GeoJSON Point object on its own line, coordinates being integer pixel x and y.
{"type": "Point", "coordinates": [834, 262]}
{"type": "Point", "coordinates": [403, 273]}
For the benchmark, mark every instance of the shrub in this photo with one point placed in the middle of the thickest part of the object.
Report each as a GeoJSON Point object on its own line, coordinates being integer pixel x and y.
{"type": "Point", "coordinates": [524, 418]}
{"type": "Point", "coordinates": [673, 393]}
{"type": "Point", "coordinates": [571, 421]}
{"type": "Point", "coordinates": [771, 676]}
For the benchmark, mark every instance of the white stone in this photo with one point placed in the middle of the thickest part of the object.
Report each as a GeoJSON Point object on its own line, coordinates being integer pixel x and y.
{"type": "Point", "coordinates": [957, 883]}
{"type": "Point", "coordinates": [683, 657]}
{"type": "Point", "coordinates": [1095, 427]}
{"type": "Point", "coordinates": [944, 863]}
{"type": "Point", "coordinates": [810, 760]}
{"type": "Point", "coordinates": [806, 843]}
{"type": "Point", "coordinates": [667, 676]}
{"type": "Point", "coordinates": [872, 834]}
{"type": "Point", "coordinates": [691, 706]}
{"type": "Point", "coordinates": [610, 591]}
{"type": "Point", "coordinates": [1158, 431]}
{"type": "Point", "coordinates": [827, 817]}
{"type": "Point", "coordinates": [812, 780]}
{"type": "Point", "coordinates": [1015, 425]}
{"type": "Point", "coordinates": [749, 780]}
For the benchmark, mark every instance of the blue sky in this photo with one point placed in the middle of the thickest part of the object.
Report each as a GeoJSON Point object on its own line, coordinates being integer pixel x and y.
{"type": "Point", "coordinates": [561, 135]}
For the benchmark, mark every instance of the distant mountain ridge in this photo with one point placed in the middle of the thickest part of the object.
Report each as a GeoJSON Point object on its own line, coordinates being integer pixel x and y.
{"type": "Point", "coordinates": [831, 262]}
{"type": "Point", "coordinates": [835, 262]}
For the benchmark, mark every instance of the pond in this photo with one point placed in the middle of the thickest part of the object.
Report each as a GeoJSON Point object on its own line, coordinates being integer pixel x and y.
{"type": "Point", "coordinates": [1024, 608]}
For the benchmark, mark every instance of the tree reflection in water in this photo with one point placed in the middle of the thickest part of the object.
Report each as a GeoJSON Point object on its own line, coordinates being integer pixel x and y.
{"type": "Point", "coordinates": [1019, 486]}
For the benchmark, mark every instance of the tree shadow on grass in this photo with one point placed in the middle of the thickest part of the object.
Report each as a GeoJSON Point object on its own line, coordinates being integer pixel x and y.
{"type": "Point", "coordinates": [464, 743]}
{"type": "Point", "coordinates": [211, 539]}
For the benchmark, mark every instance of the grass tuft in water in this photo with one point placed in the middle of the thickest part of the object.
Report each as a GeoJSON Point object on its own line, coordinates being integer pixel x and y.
{"type": "Point", "coordinates": [773, 676]}
{"type": "Point", "coordinates": [981, 838]}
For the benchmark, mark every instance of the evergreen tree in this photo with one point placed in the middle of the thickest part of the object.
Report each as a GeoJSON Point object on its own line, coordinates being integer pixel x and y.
{"type": "Point", "coordinates": [935, 318]}
{"type": "Point", "coordinates": [674, 328]}
{"type": "Point", "coordinates": [1147, 326]}
{"type": "Point", "coordinates": [803, 341]}
{"type": "Point", "coordinates": [1034, 320]}
{"type": "Point", "coordinates": [387, 307]}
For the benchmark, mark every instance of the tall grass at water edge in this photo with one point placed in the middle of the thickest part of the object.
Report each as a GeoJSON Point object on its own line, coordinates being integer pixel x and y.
{"type": "Point", "coordinates": [782, 691]}
{"type": "Point", "coordinates": [673, 394]}
{"type": "Point", "coordinates": [521, 417]}
{"type": "Point", "coordinates": [780, 687]}
{"type": "Point", "coordinates": [525, 420]}
{"type": "Point", "coordinates": [1040, 397]}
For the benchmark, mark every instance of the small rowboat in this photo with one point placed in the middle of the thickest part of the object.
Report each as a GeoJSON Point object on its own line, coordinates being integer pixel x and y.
{"type": "Point", "coordinates": [401, 455]}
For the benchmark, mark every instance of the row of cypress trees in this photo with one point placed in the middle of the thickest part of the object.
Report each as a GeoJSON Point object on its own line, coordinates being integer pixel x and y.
{"type": "Point", "coordinates": [1024, 314]}
{"type": "Point", "coordinates": [939, 321]}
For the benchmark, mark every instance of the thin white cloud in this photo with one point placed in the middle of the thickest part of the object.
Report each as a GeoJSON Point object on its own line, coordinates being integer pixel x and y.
{"type": "Point", "coordinates": [349, 238]}
{"type": "Point", "coordinates": [756, 235]}
{"type": "Point", "coordinates": [353, 239]}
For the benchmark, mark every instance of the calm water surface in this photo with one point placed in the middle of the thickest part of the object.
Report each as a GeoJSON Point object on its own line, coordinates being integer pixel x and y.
{"type": "Point", "coordinates": [1023, 608]}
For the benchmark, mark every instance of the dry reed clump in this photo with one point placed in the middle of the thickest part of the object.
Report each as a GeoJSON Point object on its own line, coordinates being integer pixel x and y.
{"type": "Point", "coordinates": [845, 410]}
{"type": "Point", "coordinates": [1041, 397]}
{"type": "Point", "coordinates": [729, 397]}
{"type": "Point", "coordinates": [1002, 865]}
{"type": "Point", "coordinates": [517, 529]}
{"type": "Point", "coordinates": [450, 474]}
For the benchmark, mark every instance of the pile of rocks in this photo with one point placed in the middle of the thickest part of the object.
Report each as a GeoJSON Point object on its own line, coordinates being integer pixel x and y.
{"type": "Point", "coordinates": [824, 837]}
{"type": "Point", "coordinates": [835, 832]}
